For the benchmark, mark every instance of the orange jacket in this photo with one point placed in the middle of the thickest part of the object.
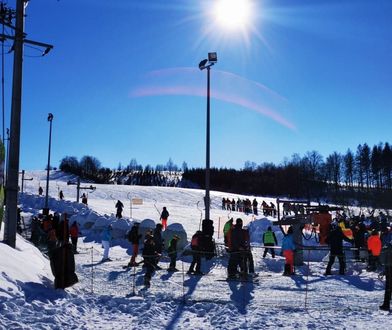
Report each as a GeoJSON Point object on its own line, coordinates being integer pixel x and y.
{"type": "Point", "coordinates": [374, 245]}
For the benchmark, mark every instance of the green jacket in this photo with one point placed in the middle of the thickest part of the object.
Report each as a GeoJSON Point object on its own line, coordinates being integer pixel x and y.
{"type": "Point", "coordinates": [269, 238]}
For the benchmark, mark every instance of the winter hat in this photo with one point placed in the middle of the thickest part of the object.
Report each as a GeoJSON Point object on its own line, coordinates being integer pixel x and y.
{"type": "Point", "coordinates": [238, 221]}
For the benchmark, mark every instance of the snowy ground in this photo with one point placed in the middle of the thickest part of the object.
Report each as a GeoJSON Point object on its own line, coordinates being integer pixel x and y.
{"type": "Point", "coordinates": [109, 297]}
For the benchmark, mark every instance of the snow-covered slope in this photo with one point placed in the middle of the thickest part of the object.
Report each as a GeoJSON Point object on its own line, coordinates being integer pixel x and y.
{"type": "Point", "coordinates": [110, 297]}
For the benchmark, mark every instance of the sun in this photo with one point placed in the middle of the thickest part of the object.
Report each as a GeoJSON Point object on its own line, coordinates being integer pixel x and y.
{"type": "Point", "coordinates": [232, 14]}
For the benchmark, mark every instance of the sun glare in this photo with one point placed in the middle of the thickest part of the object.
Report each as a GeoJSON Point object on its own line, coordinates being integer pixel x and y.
{"type": "Point", "coordinates": [232, 14]}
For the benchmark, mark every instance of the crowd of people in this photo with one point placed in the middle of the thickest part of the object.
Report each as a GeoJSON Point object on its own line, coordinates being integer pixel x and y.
{"type": "Point", "coordinates": [249, 207]}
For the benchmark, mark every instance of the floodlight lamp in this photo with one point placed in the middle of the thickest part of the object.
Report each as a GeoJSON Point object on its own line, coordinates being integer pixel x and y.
{"type": "Point", "coordinates": [212, 57]}
{"type": "Point", "coordinates": [50, 117]}
{"type": "Point", "coordinates": [202, 64]}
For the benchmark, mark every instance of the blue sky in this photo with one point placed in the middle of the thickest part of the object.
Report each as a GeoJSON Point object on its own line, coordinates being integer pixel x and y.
{"type": "Point", "coordinates": [122, 81]}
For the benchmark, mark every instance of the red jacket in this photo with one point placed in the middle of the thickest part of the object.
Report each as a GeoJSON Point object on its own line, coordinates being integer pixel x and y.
{"type": "Point", "coordinates": [374, 245]}
{"type": "Point", "coordinates": [74, 231]}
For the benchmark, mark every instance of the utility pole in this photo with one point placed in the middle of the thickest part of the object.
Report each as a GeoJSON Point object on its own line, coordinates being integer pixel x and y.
{"type": "Point", "coordinates": [50, 119]}
{"type": "Point", "coordinates": [16, 109]}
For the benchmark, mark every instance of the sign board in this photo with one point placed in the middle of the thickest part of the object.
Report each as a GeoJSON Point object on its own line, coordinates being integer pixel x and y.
{"type": "Point", "coordinates": [137, 201]}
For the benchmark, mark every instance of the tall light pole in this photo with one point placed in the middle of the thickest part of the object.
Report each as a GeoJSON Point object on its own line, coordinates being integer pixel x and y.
{"type": "Point", "coordinates": [207, 64]}
{"type": "Point", "coordinates": [50, 119]}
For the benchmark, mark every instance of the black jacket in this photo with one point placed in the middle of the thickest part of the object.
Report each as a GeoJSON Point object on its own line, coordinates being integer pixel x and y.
{"type": "Point", "coordinates": [335, 240]}
{"type": "Point", "coordinates": [134, 236]}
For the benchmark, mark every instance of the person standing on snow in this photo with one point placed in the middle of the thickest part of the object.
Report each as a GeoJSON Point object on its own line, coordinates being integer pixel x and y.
{"type": "Point", "coordinates": [106, 237]}
{"type": "Point", "coordinates": [149, 257]}
{"type": "Point", "coordinates": [158, 241]}
{"type": "Point", "coordinates": [74, 233]}
{"type": "Point", "coordinates": [269, 239]}
{"type": "Point", "coordinates": [40, 191]}
{"type": "Point", "coordinates": [172, 252]}
{"type": "Point", "coordinates": [119, 207]}
{"type": "Point", "coordinates": [386, 261]}
{"type": "Point", "coordinates": [196, 254]}
{"type": "Point", "coordinates": [61, 195]}
{"type": "Point", "coordinates": [164, 216]}
{"type": "Point", "coordinates": [134, 237]}
{"type": "Point", "coordinates": [288, 249]}
{"type": "Point", "coordinates": [374, 248]}
{"type": "Point", "coordinates": [226, 229]}
{"type": "Point", "coordinates": [237, 248]}
{"type": "Point", "coordinates": [335, 240]}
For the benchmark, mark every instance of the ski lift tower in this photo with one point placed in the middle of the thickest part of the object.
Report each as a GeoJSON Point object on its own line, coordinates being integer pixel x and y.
{"type": "Point", "coordinates": [304, 214]}
{"type": "Point", "coordinates": [78, 188]}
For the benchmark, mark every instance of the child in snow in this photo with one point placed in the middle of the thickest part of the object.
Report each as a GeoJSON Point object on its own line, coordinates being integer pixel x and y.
{"type": "Point", "coordinates": [288, 248]}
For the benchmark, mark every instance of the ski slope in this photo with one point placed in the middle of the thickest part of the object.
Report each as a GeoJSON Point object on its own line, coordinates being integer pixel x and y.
{"type": "Point", "coordinates": [110, 297]}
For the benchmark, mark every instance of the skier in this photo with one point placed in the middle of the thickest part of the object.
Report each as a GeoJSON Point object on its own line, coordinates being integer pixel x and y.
{"type": "Point", "coordinates": [40, 191]}
{"type": "Point", "coordinates": [237, 246]}
{"type": "Point", "coordinates": [61, 195]}
{"type": "Point", "coordinates": [172, 252]}
{"type": "Point", "coordinates": [106, 237]}
{"type": "Point", "coordinates": [374, 247]}
{"type": "Point", "coordinates": [335, 240]}
{"type": "Point", "coordinates": [119, 207]}
{"type": "Point", "coordinates": [247, 262]}
{"type": "Point", "coordinates": [164, 216]}
{"type": "Point", "coordinates": [149, 257]}
{"type": "Point", "coordinates": [288, 248]}
{"type": "Point", "coordinates": [84, 199]}
{"type": "Point", "coordinates": [269, 239]}
{"type": "Point", "coordinates": [386, 260]}
{"type": "Point", "coordinates": [134, 237]}
{"type": "Point", "coordinates": [158, 241]}
{"type": "Point", "coordinates": [74, 232]}
{"type": "Point", "coordinates": [196, 254]}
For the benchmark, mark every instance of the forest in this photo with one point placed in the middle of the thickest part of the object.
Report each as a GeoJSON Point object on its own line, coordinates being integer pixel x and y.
{"type": "Point", "coordinates": [363, 177]}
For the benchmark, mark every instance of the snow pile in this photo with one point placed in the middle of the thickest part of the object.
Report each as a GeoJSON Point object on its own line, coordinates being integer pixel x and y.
{"type": "Point", "coordinates": [20, 267]}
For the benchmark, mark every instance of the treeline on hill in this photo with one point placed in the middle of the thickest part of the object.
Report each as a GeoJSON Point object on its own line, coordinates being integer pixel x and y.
{"type": "Point", "coordinates": [363, 177]}
{"type": "Point", "coordinates": [134, 174]}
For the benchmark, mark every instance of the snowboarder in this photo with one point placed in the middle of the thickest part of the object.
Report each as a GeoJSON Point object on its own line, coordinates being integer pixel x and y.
{"type": "Point", "coordinates": [106, 237]}
{"type": "Point", "coordinates": [196, 254]}
{"type": "Point", "coordinates": [61, 195]}
{"type": "Point", "coordinates": [288, 248]}
{"type": "Point", "coordinates": [40, 191]}
{"type": "Point", "coordinates": [386, 260]}
{"type": "Point", "coordinates": [119, 208]}
{"type": "Point", "coordinates": [172, 252]}
{"type": "Point", "coordinates": [335, 240]}
{"type": "Point", "coordinates": [269, 239]}
{"type": "Point", "coordinates": [164, 216]}
{"type": "Point", "coordinates": [74, 233]}
{"type": "Point", "coordinates": [134, 237]}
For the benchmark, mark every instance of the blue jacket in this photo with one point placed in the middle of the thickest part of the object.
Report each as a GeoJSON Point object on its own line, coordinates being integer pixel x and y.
{"type": "Point", "coordinates": [288, 243]}
{"type": "Point", "coordinates": [106, 234]}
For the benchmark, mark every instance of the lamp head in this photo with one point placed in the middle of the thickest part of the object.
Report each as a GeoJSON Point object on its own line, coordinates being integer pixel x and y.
{"type": "Point", "coordinates": [212, 57]}
{"type": "Point", "coordinates": [202, 64]}
{"type": "Point", "coordinates": [50, 117]}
